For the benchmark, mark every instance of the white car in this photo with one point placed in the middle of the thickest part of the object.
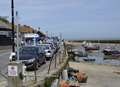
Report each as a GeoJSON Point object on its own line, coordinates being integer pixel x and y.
{"type": "Point", "coordinates": [12, 56]}
{"type": "Point", "coordinates": [49, 51]}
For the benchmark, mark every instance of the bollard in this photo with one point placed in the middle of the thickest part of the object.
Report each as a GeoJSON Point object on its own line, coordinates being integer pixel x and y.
{"type": "Point", "coordinates": [50, 65]}
{"type": "Point", "coordinates": [65, 74]}
{"type": "Point", "coordinates": [55, 60]}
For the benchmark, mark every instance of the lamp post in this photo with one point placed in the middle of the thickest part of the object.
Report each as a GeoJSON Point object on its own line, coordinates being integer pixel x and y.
{"type": "Point", "coordinates": [14, 67]}
{"type": "Point", "coordinates": [12, 14]}
{"type": "Point", "coordinates": [38, 28]}
{"type": "Point", "coordinates": [17, 31]}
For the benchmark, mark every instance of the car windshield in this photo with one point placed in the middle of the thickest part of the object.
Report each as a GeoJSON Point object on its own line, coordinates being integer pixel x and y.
{"type": "Point", "coordinates": [47, 47]}
{"type": "Point", "coordinates": [28, 50]}
{"type": "Point", "coordinates": [44, 47]}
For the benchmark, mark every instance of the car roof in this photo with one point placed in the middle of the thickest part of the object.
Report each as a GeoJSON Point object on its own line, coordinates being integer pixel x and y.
{"type": "Point", "coordinates": [43, 44]}
{"type": "Point", "coordinates": [29, 46]}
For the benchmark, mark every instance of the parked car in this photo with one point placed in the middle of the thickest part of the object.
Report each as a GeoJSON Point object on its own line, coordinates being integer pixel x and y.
{"type": "Point", "coordinates": [57, 46]}
{"type": "Point", "coordinates": [52, 45]}
{"type": "Point", "coordinates": [31, 56]}
{"type": "Point", "coordinates": [48, 49]}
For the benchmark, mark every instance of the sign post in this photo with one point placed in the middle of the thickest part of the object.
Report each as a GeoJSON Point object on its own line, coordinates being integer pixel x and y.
{"type": "Point", "coordinates": [14, 68]}
{"type": "Point", "coordinates": [14, 74]}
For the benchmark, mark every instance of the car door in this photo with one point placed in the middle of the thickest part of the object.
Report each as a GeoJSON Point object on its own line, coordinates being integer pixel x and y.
{"type": "Point", "coordinates": [41, 56]}
{"type": "Point", "coordinates": [52, 51]}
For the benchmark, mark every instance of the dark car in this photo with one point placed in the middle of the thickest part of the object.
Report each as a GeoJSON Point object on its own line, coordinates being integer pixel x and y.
{"type": "Point", "coordinates": [32, 56]}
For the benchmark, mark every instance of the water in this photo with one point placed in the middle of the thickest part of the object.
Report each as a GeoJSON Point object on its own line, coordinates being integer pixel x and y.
{"type": "Point", "coordinates": [99, 58]}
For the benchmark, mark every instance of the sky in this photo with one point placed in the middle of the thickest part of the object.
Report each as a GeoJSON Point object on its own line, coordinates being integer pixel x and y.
{"type": "Point", "coordinates": [74, 19]}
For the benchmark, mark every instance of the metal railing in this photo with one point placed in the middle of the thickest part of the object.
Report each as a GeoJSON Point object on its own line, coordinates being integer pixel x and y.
{"type": "Point", "coordinates": [52, 66]}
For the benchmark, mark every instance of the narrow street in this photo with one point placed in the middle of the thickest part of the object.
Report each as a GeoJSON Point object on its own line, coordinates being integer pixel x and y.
{"type": "Point", "coordinates": [29, 78]}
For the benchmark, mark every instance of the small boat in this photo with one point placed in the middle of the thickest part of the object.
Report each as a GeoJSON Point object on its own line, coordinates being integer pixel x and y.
{"type": "Point", "coordinates": [107, 51]}
{"type": "Point", "coordinates": [90, 47]}
{"type": "Point", "coordinates": [111, 52]}
{"type": "Point", "coordinates": [80, 54]}
{"type": "Point", "coordinates": [89, 59]}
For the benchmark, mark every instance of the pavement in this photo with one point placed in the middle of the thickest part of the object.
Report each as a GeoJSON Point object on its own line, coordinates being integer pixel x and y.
{"type": "Point", "coordinates": [98, 75]}
{"type": "Point", "coordinates": [3, 83]}
{"type": "Point", "coordinates": [4, 55]}
{"type": "Point", "coordinates": [5, 47]}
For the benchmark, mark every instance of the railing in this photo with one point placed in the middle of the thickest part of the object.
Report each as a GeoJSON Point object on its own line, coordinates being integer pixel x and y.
{"type": "Point", "coordinates": [49, 69]}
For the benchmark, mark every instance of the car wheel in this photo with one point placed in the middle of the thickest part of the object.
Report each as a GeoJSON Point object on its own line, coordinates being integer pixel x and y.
{"type": "Point", "coordinates": [36, 66]}
{"type": "Point", "coordinates": [39, 63]}
{"type": "Point", "coordinates": [44, 61]}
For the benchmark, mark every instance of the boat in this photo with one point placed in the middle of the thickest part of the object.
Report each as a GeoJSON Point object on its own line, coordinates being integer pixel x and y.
{"type": "Point", "coordinates": [90, 47]}
{"type": "Point", "coordinates": [111, 53]}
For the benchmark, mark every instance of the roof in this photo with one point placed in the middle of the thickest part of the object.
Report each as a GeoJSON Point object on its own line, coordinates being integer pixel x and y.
{"type": "Point", "coordinates": [23, 28]}
{"type": "Point", "coordinates": [26, 29]}
{"type": "Point", "coordinates": [31, 35]}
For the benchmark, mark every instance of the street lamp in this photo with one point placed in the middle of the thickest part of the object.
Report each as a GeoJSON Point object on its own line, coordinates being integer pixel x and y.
{"type": "Point", "coordinates": [12, 14]}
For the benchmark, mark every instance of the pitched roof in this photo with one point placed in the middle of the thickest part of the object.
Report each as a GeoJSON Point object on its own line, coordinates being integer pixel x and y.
{"type": "Point", "coordinates": [26, 29]}
{"type": "Point", "coordinates": [23, 28]}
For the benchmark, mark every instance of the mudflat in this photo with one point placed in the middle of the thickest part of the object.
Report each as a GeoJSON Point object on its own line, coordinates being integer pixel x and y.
{"type": "Point", "coordinates": [99, 75]}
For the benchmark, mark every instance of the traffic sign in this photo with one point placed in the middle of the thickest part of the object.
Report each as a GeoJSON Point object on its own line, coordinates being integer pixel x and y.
{"type": "Point", "coordinates": [12, 70]}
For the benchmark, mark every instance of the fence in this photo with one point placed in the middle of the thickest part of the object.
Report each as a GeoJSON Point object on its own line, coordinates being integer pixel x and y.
{"type": "Point", "coordinates": [50, 68]}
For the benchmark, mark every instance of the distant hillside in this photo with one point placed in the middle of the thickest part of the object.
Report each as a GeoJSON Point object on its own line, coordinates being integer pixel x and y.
{"type": "Point", "coordinates": [97, 41]}
{"type": "Point", "coordinates": [4, 23]}
{"type": "Point", "coordinates": [4, 20]}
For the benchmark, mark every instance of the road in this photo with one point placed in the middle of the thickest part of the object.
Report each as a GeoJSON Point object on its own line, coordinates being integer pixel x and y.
{"type": "Point", "coordinates": [41, 73]}
{"type": "Point", "coordinates": [43, 70]}
{"type": "Point", "coordinates": [4, 58]}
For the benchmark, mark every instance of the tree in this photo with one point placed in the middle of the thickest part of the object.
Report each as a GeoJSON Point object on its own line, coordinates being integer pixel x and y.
{"type": "Point", "coordinates": [40, 34]}
{"type": "Point", "coordinates": [4, 20]}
